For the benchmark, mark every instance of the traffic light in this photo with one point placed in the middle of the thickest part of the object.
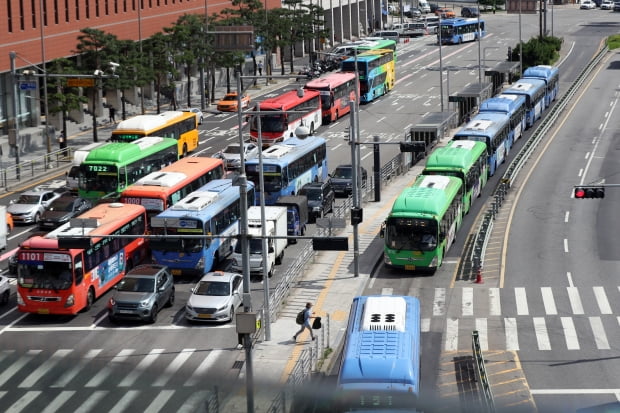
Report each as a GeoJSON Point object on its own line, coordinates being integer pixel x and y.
{"type": "Point", "coordinates": [591, 191]}
{"type": "Point", "coordinates": [414, 146]}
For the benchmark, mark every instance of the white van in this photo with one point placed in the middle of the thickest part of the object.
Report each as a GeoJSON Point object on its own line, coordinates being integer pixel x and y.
{"type": "Point", "coordinates": [79, 156]}
{"type": "Point", "coordinates": [388, 34]}
{"type": "Point", "coordinates": [424, 6]}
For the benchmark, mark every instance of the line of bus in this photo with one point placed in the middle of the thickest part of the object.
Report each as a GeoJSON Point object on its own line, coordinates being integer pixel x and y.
{"type": "Point", "coordinates": [181, 126]}
{"type": "Point", "coordinates": [213, 210]}
{"type": "Point", "coordinates": [160, 190]}
{"type": "Point", "coordinates": [466, 160]}
{"type": "Point", "coordinates": [534, 91]}
{"type": "Point", "coordinates": [494, 130]}
{"type": "Point", "coordinates": [380, 366]}
{"type": "Point", "coordinates": [64, 271]}
{"type": "Point", "coordinates": [337, 90]}
{"type": "Point", "coordinates": [512, 106]}
{"type": "Point", "coordinates": [305, 108]}
{"type": "Point", "coordinates": [460, 30]}
{"type": "Point", "coordinates": [551, 76]}
{"type": "Point", "coordinates": [377, 72]}
{"type": "Point", "coordinates": [422, 224]}
{"type": "Point", "coordinates": [109, 169]}
{"type": "Point", "coordinates": [288, 166]}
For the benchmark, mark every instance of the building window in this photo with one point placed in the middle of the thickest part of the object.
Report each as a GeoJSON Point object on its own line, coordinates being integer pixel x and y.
{"type": "Point", "coordinates": [56, 12]}
{"type": "Point", "coordinates": [96, 8]}
{"type": "Point", "coordinates": [21, 15]}
{"type": "Point", "coordinates": [34, 13]}
{"type": "Point", "coordinates": [9, 17]}
{"type": "Point", "coordinates": [67, 11]}
{"type": "Point", "coordinates": [77, 9]}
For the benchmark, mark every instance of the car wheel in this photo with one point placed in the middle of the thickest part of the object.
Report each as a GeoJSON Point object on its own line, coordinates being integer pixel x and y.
{"type": "Point", "coordinates": [170, 301]}
{"type": "Point", "coordinates": [5, 297]}
{"type": "Point", "coordinates": [112, 319]}
{"type": "Point", "coordinates": [37, 217]}
{"type": "Point", "coordinates": [184, 150]}
{"type": "Point", "coordinates": [231, 313]}
{"type": "Point", "coordinates": [153, 316]}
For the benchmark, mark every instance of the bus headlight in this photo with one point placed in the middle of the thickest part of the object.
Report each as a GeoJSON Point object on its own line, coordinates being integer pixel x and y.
{"type": "Point", "coordinates": [70, 301]}
{"type": "Point", "coordinates": [200, 264]}
{"type": "Point", "coordinates": [20, 300]}
{"type": "Point", "coordinates": [434, 261]}
{"type": "Point", "coordinates": [386, 259]}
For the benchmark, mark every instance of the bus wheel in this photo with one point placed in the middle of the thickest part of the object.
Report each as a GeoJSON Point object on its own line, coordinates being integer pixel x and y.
{"type": "Point", "coordinates": [312, 129]}
{"type": "Point", "coordinates": [184, 150]}
{"type": "Point", "coordinates": [90, 299]}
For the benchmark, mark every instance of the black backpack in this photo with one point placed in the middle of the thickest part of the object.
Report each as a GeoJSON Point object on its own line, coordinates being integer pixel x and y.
{"type": "Point", "coordinates": [300, 317]}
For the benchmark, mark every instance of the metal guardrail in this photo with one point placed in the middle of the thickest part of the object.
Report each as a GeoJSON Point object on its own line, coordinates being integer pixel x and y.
{"type": "Point", "coordinates": [28, 169]}
{"type": "Point", "coordinates": [481, 372]}
{"type": "Point", "coordinates": [486, 225]}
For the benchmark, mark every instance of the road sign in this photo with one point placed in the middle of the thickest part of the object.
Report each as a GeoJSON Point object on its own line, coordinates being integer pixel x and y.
{"type": "Point", "coordinates": [28, 85]}
{"type": "Point", "coordinates": [80, 82]}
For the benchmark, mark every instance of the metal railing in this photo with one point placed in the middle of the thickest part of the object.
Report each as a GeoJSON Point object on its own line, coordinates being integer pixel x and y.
{"type": "Point", "coordinates": [485, 227]}
{"type": "Point", "coordinates": [28, 169]}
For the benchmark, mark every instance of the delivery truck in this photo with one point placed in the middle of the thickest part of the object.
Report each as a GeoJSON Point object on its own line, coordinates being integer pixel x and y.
{"type": "Point", "coordinates": [296, 214]}
{"type": "Point", "coordinates": [276, 232]}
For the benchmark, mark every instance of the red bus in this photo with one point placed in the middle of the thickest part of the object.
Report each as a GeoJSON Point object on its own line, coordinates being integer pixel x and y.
{"type": "Point", "coordinates": [337, 90]}
{"type": "Point", "coordinates": [57, 275]}
{"type": "Point", "coordinates": [275, 128]}
{"type": "Point", "coordinates": [160, 190]}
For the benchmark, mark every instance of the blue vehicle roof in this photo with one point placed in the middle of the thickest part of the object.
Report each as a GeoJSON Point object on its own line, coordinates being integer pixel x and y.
{"type": "Point", "coordinates": [502, 103]}
{"type": "Point", "coordinates": [483, 124]}
{"type": "Point", "coordinates": [541, 72]}
{"type": "Point", "coordinates": [288, 150]}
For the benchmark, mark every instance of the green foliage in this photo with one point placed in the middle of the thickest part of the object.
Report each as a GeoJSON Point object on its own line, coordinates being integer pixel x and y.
{"type": "Point", "coordinates": [538, 51]}
{"type": "Point", "coordinates": [613, 42]}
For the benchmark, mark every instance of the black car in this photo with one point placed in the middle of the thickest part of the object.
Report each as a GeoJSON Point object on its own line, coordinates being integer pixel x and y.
{"type": "Point", "coordinates": [342, 179]}
{"type": "Point", "coordinates": [62, 210]}
{"type": "Point", "coordinates": [321, 198]}
{"type": "Point", "coordinates": [470, 12]}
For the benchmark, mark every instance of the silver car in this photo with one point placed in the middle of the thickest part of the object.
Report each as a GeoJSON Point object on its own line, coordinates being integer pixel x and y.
{"type": "Point", "coordinates": [232, 155]}
{"type": "Point", "coordinates": [28, 208]}
{"type": "Point", "coordinates": [215, 298]}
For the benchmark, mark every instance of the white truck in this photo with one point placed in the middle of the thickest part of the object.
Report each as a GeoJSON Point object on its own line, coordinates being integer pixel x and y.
{"type": "Point", "coordinates": [275, 226]}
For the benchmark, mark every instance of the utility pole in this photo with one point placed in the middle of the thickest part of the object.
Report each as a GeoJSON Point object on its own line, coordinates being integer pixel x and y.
{"type": "Point", "coordinates": [14, 140]}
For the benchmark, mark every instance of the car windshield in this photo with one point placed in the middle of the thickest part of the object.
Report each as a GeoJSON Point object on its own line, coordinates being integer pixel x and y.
{"type": "Point", "coordinates": [216, 288]}
{"type": "Point", "coordinates": [136, 284]}
{"type": "Point", "coordinates": [28, 199]}
{"type": "Point", "coordinates": [313, 194]}
{"type": "Point", "coordinates": [234, 149]}
{"type": "Point", "coordinates": [229, 98]}
{"type": "Point", "coordinates": [62, 205]}
{"type": "Point", "coordinates": [342, 173]}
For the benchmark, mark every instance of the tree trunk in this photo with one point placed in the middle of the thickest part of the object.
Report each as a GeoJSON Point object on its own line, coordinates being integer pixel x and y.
{"type": "Point", "coordinates": [189, 87]}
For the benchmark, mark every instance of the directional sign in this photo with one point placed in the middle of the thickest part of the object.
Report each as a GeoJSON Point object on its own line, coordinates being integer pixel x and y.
{"type": "Point", "coordinates": [80, 82]}
{"type": "Point", "coordinates": [28, 85]}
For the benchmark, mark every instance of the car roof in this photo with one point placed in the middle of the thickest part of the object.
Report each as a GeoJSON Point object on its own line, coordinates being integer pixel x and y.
{"type": "Point", "coordinates": [221, 276]}
{"type": "Point", "coordinates": [146, 270]}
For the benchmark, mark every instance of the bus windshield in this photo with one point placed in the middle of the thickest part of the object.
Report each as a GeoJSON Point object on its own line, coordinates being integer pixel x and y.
{"type": "Point", "coordinates": [411, 234]}
{"type": "Point", "coordinates": [272, 180]}
{"type": "Point", "coordinates": [175, 245]}
{"type": "Point", "coordinates": [99, 178]}
{"type": "Point", "coordinates": [272, 123]}
{"type": "Point", "coordinates": [49, 275]}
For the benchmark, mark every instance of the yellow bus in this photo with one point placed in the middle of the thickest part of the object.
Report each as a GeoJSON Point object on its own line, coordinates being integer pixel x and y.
{"type": "Point", "coordinates": [182, 126]}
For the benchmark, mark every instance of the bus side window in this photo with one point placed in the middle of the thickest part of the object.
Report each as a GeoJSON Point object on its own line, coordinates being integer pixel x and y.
{"type": "Point", "coordinates": [79, 272]}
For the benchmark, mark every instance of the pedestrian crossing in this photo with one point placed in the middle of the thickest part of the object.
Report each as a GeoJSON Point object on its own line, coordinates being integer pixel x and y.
{"type": "Point", "coordinates": [157, 380]}
{"type": "Point", "coordinates": [542, 318]}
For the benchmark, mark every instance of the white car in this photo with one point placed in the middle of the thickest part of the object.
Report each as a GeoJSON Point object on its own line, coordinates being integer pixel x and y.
{"type": "Point", "coordinates": [198, 113]}
{"type": "Point", "coordinates": [587, 5]}
{"type": "Point", "coordinates": [5, 290]}
{"type": "Point", "coordinates": [232, 155]}
{"type": "Point", "coordinates": [607, 5]}
{"type": "Point", "coordinates": [216, 297]}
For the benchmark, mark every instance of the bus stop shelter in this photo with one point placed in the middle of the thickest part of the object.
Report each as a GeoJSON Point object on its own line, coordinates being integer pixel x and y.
{"type": "Point", "coordinates": [467, 101]}
{"type": "Point", "coordinates": [432, 127]}
{"type": "Point", "coordinates": [502, 73]}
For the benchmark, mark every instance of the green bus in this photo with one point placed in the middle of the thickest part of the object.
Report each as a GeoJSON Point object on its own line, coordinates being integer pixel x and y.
{"type": "Point", "coordinates": [466, 160]}
{"type": "Point", "coordinates": [423, 223]}
{"type": "Point", "coordinates": [109, 169]}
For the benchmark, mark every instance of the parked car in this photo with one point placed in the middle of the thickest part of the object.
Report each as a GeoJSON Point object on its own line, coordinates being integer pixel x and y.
{"type": "Point", "coordinates": [321, 198]}
{"type": "Point", "coordinates": [215, 297]}
{"type": "Point", "coordinates": [199, 115]}
{"type": "Point", "coordinates": [231, 155]}
{"type": "Point", "coordinates": [342, 179]}
{"type": "Point", "coordinates": [141, 293]}
{"type": "Point", "coordinates": [470, 12]}
{"type": "Point", "coordinates": [445, 13]}
{"type": "Point", "coordinates": [607, 5]}
{"type": "Point", "coordinates": [587, 5]}
{"type": "Point", "coordinates": [413, 13]}
{"type": "Point", "coordinates": [5, 290]}
{"type": "Point", "coordinates": [62, 209]}
{"type": "Point", "coordinates": [387, 34]}
{"type": "Point", "coordinates": [28, 208]}
{"type": "Point", "coordinates": [229, 102]}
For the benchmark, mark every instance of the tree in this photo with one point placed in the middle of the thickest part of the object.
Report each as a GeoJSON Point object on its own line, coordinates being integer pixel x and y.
{"type": "Point", "coordinates": [158, 49]}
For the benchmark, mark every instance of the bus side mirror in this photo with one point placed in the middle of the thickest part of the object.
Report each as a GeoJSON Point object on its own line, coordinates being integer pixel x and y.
{"type": "Point", "coordinates": [382, 231]}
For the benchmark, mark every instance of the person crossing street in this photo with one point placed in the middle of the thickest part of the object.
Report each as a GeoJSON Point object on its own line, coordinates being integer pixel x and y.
{"type": "Point", "coordinates": [306, 323]}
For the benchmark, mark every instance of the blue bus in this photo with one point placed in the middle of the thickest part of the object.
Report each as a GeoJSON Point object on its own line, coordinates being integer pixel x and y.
{"type": "Point", "coordinates": [534, 91]}
{"type": "Point", "coordinates": [511, 105]}
{"type": "Point", "coordinates": [377, 72]}
{"type": "Point", "coordinates": [214, 209]}
{"type": "Point", "coordinates": [551, 76]}
{"type": "Point", "coordinates": [492, 129]}
{"type": "Point", "coordinates": [459, 30]}
{"type": "Point", "coordinates": [380, 366]}
{"type": "Point", "coordinates": [289, 165]}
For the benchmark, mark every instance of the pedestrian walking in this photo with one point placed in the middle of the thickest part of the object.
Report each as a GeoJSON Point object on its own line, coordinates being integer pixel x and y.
{"type": "Point", "coordinates": [112, 112]}
{"type": "Point", "coordinates": [307, 315]}
{"type": "Point", "coordinates": [260, 68]}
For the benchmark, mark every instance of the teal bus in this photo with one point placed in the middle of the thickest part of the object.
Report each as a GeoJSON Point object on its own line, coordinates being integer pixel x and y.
{"type": "Point", "coordinates": [422, 224]}
{"type": "Point", "coordinates": [377, 73]}
{"type": "Point", "coordinates": [466, 160]}
{"type": "Point", "coordinates": [109, 169]}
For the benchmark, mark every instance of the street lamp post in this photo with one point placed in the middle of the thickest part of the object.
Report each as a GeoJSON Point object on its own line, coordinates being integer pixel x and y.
{"type": "Point", "coordinates": [14, 132]}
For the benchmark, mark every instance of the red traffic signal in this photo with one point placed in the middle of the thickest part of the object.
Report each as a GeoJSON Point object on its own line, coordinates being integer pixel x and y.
{"type": "Point", "coordinates": [591, 191]}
